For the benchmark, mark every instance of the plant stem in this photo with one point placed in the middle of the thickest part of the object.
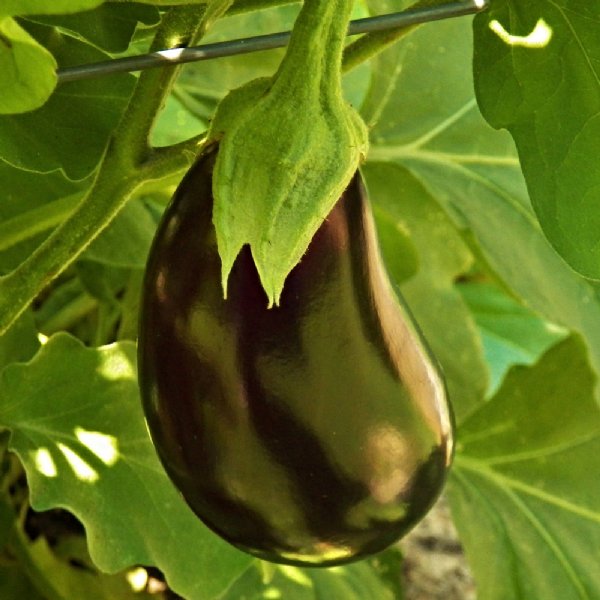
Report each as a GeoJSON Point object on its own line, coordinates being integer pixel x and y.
{"type": "Point", "coordinates": [320, 28]}
{"type": "Point", "coordinates": [132, 137]}
{"type": "Point", "coordinates": [120, 172]}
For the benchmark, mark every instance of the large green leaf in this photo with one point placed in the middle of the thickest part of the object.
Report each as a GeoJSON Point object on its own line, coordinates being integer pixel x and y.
{"type": "Point", "coordinates": [71, 130]}
{"type": "Point", "coordinates": [438, 307]}
{"type": "Point", "coordinates": [87, 449]}
{"type": "Point", "coordinates": [30, 205]}
{"type": "Point", "coordinates": [27, 68]}
{"type": "Point", "coordinates": [429, 123]}
{"type": "Point", "coordinates": [537, 68]}
{"type": "Point", "coordinates": [20, 342]}
{"type": "Point", "coordinates": [523, 488]}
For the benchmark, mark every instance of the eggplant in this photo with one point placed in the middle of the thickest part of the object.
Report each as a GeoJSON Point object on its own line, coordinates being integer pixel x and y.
{"type": "Point", "coordinates": [313, 433]}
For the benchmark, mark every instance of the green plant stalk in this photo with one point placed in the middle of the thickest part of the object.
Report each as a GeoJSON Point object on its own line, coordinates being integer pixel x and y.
{"type": "Point", "coordinates": [122, 169]}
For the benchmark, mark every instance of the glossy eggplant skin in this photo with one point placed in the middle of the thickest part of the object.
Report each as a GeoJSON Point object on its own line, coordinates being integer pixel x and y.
{"type": "Point", "coordinates": [313, 433]}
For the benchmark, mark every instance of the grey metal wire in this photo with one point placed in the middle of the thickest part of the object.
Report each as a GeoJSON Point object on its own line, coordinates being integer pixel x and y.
{"type": "Point", "coordinates": [176, 56]}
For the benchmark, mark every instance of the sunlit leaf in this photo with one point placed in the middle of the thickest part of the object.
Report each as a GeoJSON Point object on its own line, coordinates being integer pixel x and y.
{"type": "Point", "coordinates": [27, 70]}
{"type": "Point", "coordinates": [354, 582]}
{"type": "Point", "coordinates": [537, 73]}
{"type": "Point", "coordinates": [33, 7]}
{"type": "Point", "coordinates": [88, 450]}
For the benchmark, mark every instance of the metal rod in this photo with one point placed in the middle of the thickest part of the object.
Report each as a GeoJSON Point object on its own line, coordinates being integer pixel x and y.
{"type": "Point", "coordinates": [176, 56]}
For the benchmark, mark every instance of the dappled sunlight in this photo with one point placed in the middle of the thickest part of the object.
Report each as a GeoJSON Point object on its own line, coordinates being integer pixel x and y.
{"type": "Point", "coordinates": [81, 468]}
{"type": "Point", "coordinates": [137, 579]}
{"type": "Point", "coordinates": [44, 463]}
{"type": "Point", "coordinates": [170, 54]}
{"type": "Point", "coordinates": [113, 366]}
{"type": "Point", "coordinates": [42, 339]}
{"type": "Point", "coordinates": [296, 575]}
{"type": "Point", "coordinates": [102, 445]}
{"type": "Point", "coordinates": [538, 38]}
{"type": "Point", "coordinates": [322, 552]}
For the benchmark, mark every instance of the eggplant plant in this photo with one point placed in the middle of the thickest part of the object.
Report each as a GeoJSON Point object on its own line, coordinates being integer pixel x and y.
{"type": "Point", "coordinates": [259, 372]}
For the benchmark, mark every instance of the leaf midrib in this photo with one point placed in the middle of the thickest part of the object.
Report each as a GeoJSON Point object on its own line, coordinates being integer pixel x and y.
{"type": "Point", "coordinates": [484, 469]}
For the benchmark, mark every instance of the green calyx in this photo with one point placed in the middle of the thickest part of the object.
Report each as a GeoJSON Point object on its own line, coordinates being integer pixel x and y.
{"type": "Point", "coordinates": [288, 148]}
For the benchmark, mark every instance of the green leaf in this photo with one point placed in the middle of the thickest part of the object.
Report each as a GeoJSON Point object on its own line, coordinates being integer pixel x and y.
{"type": "Point", "coordinates": [39, 7]}
{"type": "Point", "coordinates": [511, 334]}
{"type": "Point", "coordinates": [399, 253]}
{"type": "Point", "coordinates": [537, 68]}
{"type": "Point", "coordinates": [126, 241]}
{"type": "Point", "coordinates": [32, 204]}
{"type": "Point", "coordinates": [71, 130]}
{"type": "Point", "coordinates": [27, 70]}
{"type": "Point", "coordinates": [182, 117]}
{"type": "Point", "coordinates": [354, 582]}
{"type": "Point", "coordinates": [109, 27]}
{"type": "Point", "coordinates": [88, 450]}
{"type": "Point", "coordinates": [100, 281]}
{"type": "Point", "coordinates": [20, 342]}
{"type": "Point", "coordinates": [437, 306]}
{"type": "Point", "coordinates": [522, 488]}
{"type": "Point", "coordinates": [429, 123]}
{"type": "Point", "coordinates": [63, 577]}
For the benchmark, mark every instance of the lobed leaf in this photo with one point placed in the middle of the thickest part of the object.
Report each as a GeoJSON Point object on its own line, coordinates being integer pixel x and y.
{"type": "Point", "coordinates": [521, 489]}
{"type": "Point", "coordinates": [88, 450]}
{"type": "Point", "coordinates": [511, 334]}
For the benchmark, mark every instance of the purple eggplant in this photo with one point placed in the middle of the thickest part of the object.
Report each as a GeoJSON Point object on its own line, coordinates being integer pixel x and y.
{"type": "Point", "coordinates": [313, 433]}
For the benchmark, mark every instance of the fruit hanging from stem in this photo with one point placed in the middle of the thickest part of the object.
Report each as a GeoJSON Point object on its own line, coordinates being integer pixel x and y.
{"type": "Point", "coordinates": [316, 432]}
